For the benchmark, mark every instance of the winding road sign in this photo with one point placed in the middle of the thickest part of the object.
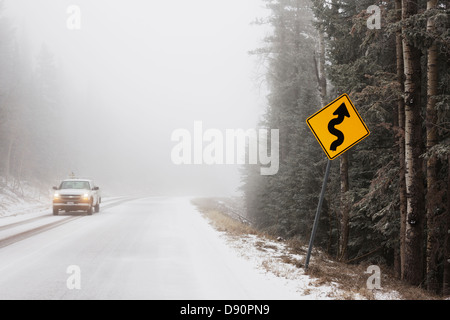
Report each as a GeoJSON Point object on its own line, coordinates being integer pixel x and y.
{"type": "Point", "coordinates": [338, 127]}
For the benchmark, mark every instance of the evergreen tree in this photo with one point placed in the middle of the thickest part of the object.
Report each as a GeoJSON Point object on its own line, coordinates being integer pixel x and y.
{"type": "Point", "coordinates": [386, 206]}
{"type": "Point", "coordinates": [284, 204]}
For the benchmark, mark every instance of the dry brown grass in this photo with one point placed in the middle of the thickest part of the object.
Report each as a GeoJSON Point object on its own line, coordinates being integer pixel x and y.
{"type": "Point", "coordinates": [351, 278]}
{"type": "Point", "coordinates": [221, 221]}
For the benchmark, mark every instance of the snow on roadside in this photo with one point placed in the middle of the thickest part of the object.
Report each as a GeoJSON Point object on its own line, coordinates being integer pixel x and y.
{"type": "Point", "coordinates": [23, 200]}
{"type": "Point", "coordinates": [277, 263]}
{"type": "Point", "coordinates": [267, 257]}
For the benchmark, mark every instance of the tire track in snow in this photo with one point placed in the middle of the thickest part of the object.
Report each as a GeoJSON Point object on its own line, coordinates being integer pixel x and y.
{"type": "Point", "coordinates": [42, 228]}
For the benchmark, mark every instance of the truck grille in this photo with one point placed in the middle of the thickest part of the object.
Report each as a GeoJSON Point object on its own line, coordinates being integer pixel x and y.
{"type": "Point", "coordinates": [70, 198]}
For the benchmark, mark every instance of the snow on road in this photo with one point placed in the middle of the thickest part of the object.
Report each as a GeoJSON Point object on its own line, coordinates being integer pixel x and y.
{"type": "Point", "coordinates": [152, 248]}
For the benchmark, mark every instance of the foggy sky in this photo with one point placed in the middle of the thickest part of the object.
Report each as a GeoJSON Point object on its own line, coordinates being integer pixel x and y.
{"type": "Point", "coordinates": [143, 68]}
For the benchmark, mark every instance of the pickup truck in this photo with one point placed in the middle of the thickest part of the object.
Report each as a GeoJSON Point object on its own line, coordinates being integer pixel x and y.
{"type": "Point", "coordinates": [76, 195]}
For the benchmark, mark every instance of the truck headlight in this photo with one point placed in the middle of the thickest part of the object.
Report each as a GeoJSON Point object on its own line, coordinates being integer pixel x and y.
{"type": "Point", "coordinates": [56, 196]}
{"type": "Point", "coordinates": [86, 196]}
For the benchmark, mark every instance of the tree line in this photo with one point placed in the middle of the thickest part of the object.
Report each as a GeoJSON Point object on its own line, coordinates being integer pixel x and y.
{"type": "Point", "coordinates": [41, 134]}
{"type": "Point", "coordinates": [30, 98]}
{"type": "Point", "coordinates": [388, 198]}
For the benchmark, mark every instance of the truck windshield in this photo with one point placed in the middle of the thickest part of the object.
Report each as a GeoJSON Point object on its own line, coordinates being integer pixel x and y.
{"type": "Point", "coordinates": [74, 185]}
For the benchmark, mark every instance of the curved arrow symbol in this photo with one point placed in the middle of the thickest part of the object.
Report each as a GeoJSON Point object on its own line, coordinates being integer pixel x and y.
{"type": "Point", "coordinates": [342, 113]}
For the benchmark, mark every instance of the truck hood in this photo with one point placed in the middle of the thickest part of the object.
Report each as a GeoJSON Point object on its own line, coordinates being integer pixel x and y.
{"type": "Point", "coordinates": [72, 192]}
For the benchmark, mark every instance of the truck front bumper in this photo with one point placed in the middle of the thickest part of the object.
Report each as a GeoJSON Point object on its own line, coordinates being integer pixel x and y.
{"type": "Point", "coordinates": [71, 206]}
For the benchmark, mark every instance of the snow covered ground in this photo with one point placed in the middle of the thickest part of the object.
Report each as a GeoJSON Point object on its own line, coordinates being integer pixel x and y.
{"type": "Point", "coordinates": [154, 248]}
{"type": "Point", "coordinates": [268, 256]}
{"type": "Point", "coordinates": [24, 199]}
{"type": "Point", "coordinates": [275, 260]}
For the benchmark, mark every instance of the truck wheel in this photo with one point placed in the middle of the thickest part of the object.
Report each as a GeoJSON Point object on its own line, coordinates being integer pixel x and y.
{"type": "Point", "coordinates": [55, 211]}
{"type": "Point", "coordinates": [97, 208]}
{"type": "Point", "coordinates": [89, 211]}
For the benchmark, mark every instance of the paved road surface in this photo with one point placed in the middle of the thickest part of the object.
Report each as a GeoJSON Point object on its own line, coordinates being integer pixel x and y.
{"type": "Point", "coordinates": [150, 248]}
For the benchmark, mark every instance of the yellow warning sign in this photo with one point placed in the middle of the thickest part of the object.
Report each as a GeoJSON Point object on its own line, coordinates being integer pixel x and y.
{"type": "Point", "coordinates": [338, 127]}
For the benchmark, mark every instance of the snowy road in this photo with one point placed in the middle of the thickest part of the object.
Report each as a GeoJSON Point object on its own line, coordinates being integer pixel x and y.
{"type": "Point", "coordinates": [151, 248]}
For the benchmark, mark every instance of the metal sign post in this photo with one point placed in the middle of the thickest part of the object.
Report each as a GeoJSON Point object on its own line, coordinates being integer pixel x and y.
{"type": "Point", "coordinates": [319, 208]}
{"type": "Point", "coordinates": [335, 141]}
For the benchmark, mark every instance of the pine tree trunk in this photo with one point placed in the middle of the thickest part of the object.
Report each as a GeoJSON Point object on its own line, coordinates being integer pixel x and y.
{"type": "Point", "coordinates": [401, 145]}
{"type": "Point", "coordinates": [345, 208]}
{"type": "Point", "coordinates": [432, 196]}
{"type": "Point", "coordinates": [323, 78]}
{"type": "Point", "coordinates": [413, 264]}
{"type": "Point", "coordinates": [446, 278]}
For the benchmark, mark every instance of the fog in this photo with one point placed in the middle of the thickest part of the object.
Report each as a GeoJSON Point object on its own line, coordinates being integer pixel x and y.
{"type": "Point", "coordinates": [137, 70]}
